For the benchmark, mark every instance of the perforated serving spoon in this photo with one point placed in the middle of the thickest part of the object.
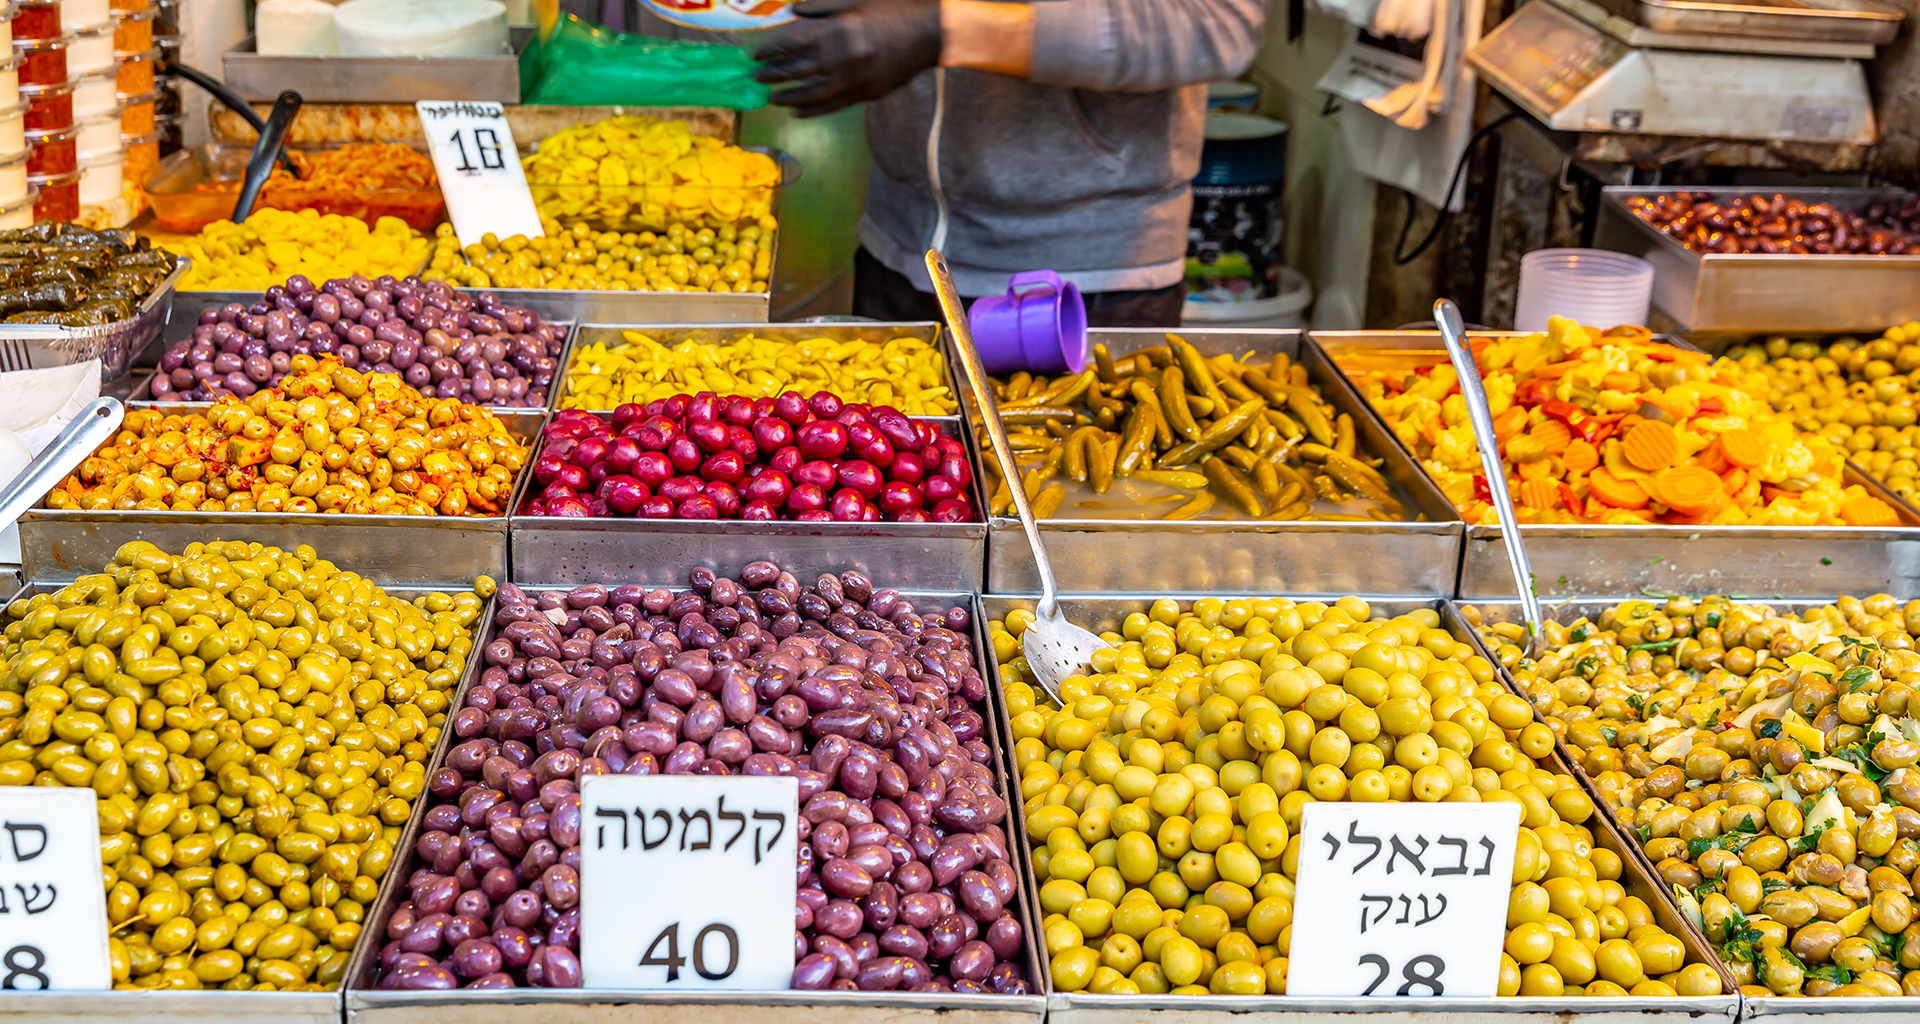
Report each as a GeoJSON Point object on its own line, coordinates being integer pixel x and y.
{"type": "Point", "coordinates": [1446, 316]}
{"type": "Point", "coordinates": [1055, 648]}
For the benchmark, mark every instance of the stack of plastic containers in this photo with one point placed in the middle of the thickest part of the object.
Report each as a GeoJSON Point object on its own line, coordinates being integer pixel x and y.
{"type": "Point", "coordinates": [16, 196]}
{"type": "Point", "coordinates": [168, 108]}
{"type": "Point", "coordinates": [45, 46]}
{"type": "Point", "coordinates": [1590, 286]}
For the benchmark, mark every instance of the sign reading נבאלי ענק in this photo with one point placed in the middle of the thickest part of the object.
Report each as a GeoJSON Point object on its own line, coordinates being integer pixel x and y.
{"type": "Point", "coordinates": [1401, 899]}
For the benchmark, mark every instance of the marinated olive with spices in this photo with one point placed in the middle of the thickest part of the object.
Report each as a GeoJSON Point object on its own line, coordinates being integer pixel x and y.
{"type": "Point", "coordinates": [1764, 760]}
{"type": "Point", "coordinates": [257, 724]}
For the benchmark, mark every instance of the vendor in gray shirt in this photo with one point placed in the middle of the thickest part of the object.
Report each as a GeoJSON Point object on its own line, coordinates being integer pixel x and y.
{"type": "Point", "coordinates": [1055, 134]}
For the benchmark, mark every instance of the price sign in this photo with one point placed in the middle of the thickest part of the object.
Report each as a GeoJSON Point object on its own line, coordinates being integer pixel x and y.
{"type": "Point", "coordinates": [1402, 899]}
{"type": "Point", "coordinates": [479, 169]}
{"type": "Point", "coordinates": [687, 882]}
{"type": "Point", "coordinates": [53, 912]}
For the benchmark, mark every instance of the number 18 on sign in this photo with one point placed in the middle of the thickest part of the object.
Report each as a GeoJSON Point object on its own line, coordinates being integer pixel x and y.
{"type": "Point", "coordinates": [479, 170]}
{"type": "Point", "coordinates": [687, 882]}
{"type": "Point", "coordinates": [1402, 899]}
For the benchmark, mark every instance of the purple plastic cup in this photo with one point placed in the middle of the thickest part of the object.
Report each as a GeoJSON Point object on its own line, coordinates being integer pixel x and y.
{"type": "Point", "coordinates": [1040, 330]}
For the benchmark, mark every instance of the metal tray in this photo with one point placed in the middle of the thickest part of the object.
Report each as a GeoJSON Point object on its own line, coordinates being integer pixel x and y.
{"type": "Point", "coordinates": [142, 394]}
{"type": "Point", "coordinates": [1756, 1009]}
{"type": "Point", "coordinates": [1093, 556]}
{"type": "Point", "coordinates": [1763, 293]}
{"type": "Point", "coordinates": [365, 1005]}
{"type": "Point", "coordinates": [29, 346]}
{"type": "Point", "coordinates": [1087, 1008]}
{"type": "Point", "coordinates": [1832, 21]}
{"type": "Point", "coordinates": [338, 79]}
{"type": "Point", "coordinates": [167, 1007]}
{"type": "Point", "coordinates": [431, 551]}
{"type": "Point", "coordinates": [604, 307]}
{"type": "Point", "coordinates": [673, 332]}
{"type": "Point", "coordinates": [1576, 559]}
{"type": "Point", "coordinates": [658, 552]}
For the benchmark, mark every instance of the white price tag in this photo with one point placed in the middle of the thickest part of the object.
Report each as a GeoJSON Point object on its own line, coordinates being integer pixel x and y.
{"type": "Point", "coordinates": [53, 911]}
{"type": "Point", "coordinates": [479, 169]}
{"type": "Point", "coordinates": [1402, 899]}
{"type": "Point", "coordinates": [687, 882]}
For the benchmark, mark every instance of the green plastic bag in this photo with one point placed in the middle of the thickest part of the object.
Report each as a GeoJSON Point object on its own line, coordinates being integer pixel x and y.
{"type": "Point", "coordinates": [585, 65]}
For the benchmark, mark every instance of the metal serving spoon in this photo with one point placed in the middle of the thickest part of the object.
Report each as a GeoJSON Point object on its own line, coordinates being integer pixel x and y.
{"type": "Point", "coordinates": [1446, 316]}
{"type": "Point", "coordinates": [1055, 648]}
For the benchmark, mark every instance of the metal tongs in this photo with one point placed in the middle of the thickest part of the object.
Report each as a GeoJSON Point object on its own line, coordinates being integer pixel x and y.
{"type": "Point", "coordinates": [1446, 316]}
{"type": "Point", "coordinates": [1054, 648]}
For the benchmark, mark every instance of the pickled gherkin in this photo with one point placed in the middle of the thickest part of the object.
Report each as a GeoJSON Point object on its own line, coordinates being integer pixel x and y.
{"type": "Point", "coordinates": [257, 725]}
{"type": "Point", "coordinates": [1162, 805]}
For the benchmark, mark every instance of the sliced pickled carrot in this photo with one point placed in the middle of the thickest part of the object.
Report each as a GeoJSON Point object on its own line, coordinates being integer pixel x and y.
{"type": "Point", "coordinates": [1538, 470]}
{"type": "Point", "coordinates": [1651, 445]}
{"type": "Point", "coordinates": [1616, 492]}
{"type": "Point", "coordinates": [1867, 510]}
{"type": "Point", "coordinates": [1733, 480]}
{"type": "Point", "coordinates": [1744, 448]}
{"type": "Point", "coordinates": [1580, 457]}
{"type": "Point", "coordinates": [1689, 490]}
{"type": "Point", "coordinates": [1510, 422]}
{"type": "Point", "coordinates": [1540, 493]}
{"type": "Point", "coordinates": [1553, 435]}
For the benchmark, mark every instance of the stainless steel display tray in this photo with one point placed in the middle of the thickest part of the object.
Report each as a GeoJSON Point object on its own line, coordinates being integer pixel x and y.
{"type": "Point", "coordinates": [1832, 21]}
{"type": "Point", "coordinates": [1766, 293]}
{"type": "Point", "coordinates": [432, 551]}
{"type": "Point", "coordinates": [1105, 613]}
{"type": "Point", "coordinates": [1092, 556]}
{"type": "Point", "coordinates": [339, 79]}
{"type": "Point", "coordinates": [658, 552]}
{"type": "Point", "coordinates": [366, 1005]}
{"type": "Point", "coordinates": [32, 346]}
{"type": "Point", "coordinates": [217, 1007]}
{"type": "Point", "coordinates": [672, 332]}
{"type": "Point", "coordinates": [1576, 560]}
{"type": "Point", "coordinates": [143, 394]}
{"type": "Point", "coordinates": [1755, 1009]}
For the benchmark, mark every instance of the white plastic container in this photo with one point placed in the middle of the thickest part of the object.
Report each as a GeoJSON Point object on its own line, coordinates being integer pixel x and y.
{"type": "Point", "coordinates": [1595, 287]}
{"type": "Point", "coordinates": [13, 128]}
{"type": "Point", "coordinates": [99, 135]}
{"type": "Point", "coordinates": [79, 15]}
{"type": "Point", "coordinates": [1287, 310]}
{"type": "Point", "coordinates": [13, 179]}
{"type": "Point", "coordinates": [96, 93]}
{"type": "Point", "coordinates": [18, 215]}
{"type": "Point", "coordinates": [92, 50]}
{"type": "Point", "coordinates": [101, 177]}
{"type": "Point", "coordinates": [10, 81]}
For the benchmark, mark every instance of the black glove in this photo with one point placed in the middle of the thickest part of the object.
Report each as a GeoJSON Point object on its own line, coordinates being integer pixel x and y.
{"type": "Point", "coordinates": [843, 52]}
